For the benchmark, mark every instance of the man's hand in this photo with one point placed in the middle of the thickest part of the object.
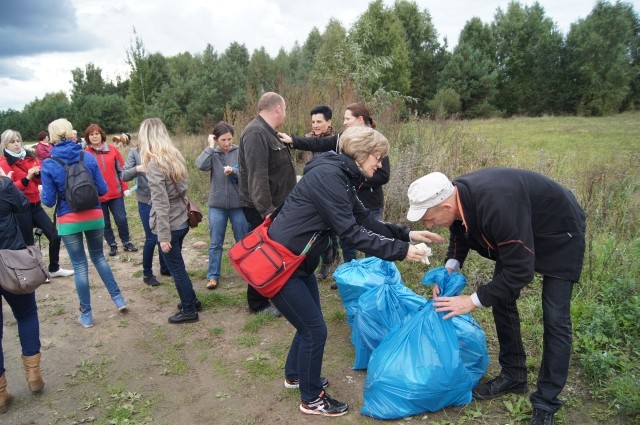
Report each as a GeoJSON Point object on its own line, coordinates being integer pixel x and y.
{"type": "Point", "coordinates": [425, 236]}
{"type": "Point", "coordinates": [456, 306]}
{"type": "Point", "coordinates": [415, 254]}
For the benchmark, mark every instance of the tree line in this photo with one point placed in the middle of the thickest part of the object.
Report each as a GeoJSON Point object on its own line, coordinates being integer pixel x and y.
{"type": "Point", "coordinates": [519, 64]}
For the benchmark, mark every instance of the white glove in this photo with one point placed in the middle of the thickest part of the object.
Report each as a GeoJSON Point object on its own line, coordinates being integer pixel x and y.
{"type": "Point", "coordinates": [423, 246]}
{"type": "Point", "coordinates": [127, 192]}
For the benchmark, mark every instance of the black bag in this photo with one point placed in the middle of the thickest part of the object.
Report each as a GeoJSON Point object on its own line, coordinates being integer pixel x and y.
{"type": "Point", "coordinates": [80, 189]}
{"type": "Point", "coordinates": [22, 271]}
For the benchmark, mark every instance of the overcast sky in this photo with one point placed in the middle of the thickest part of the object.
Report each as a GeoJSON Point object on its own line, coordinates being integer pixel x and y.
{"type": "Point", "coordinates": [41, 41]}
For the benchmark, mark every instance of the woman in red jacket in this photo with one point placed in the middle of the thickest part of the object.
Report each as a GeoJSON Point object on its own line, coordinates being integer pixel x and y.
{"type": "Point", "coordinates": [111, 164]}
{"type": "Point", "coordinates": [25, 169]}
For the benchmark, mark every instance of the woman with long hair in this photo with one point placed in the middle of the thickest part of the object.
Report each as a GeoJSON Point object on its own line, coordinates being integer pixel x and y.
{"type": "Point", "coordinates": [168, 181]}
{"type": "Point", "coordinates": [76, 227]}
{"type": "Point", "coordinates": [221, 159]}
{"type": "Point", "coordinates": [23, 307]}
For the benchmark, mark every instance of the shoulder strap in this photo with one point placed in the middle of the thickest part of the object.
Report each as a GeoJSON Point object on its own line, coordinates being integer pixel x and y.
{"type": "Point", "coordinates": [59, 161]}
{"type": "Point", "coordinates": [179, 193]}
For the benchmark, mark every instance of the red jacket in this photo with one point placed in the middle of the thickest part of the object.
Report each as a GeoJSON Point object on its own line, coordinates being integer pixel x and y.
{"type": "Point", "coordinates": [111, 164]}
{"type": "Point", "coordinates": [20, 168]}
{"type": "Point", "coordinates": [43, 151]}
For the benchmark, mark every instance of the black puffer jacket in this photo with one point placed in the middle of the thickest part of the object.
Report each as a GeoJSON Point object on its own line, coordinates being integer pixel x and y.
{"type": "Point", "coordinates": [12, 202]}
{"type": "Point", "coordinates": [326, 199]}
{"type": "Point", "coordinates": [523, 221]}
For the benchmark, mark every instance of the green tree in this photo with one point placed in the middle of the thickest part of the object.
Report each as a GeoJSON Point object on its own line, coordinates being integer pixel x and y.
{"type": "Point", "coordinates": [37, 115]}
{"type": "Point", "coordinates": [528, 49]}
{"type": "Point", "coordinates": [12, 119]}
{"type": "Point", "coordinates": [87, 81]}
{"type": "Point", "coordinates": [379, 32]}
{"type": "Point", "coordinates": [600, 61]}
{"type": "Point", "coordinates": [261, 71]}
{"type": "Point", "coordinates": [109, 111]}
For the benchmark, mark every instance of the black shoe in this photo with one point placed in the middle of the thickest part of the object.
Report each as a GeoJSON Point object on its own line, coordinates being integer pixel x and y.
{"type": "Point", "coordinates": [130, 247]}
{"type": "Point", "coordinates": [198, 306]}
{"type": "Point", "coordinates": [294, 383]}
{"type": "Point", "coordinates": [334, 286]}
{"type": "Point", "coordinates": [541, 417]}
{"type": "Point", "coordinates": [182, 317]}
{"type": "Point", "coordinates": [324, 405]}
{"type": "Point", "coordinates": [498, 386]}
{"type": "Point", "coordinates": [113, 250]}
{"type": "Point", "coordinates": [325, 269]}
{"type": "Point", "coordinates": [165, 272]}
{"type": "Point", "coordinates": [151, 280]}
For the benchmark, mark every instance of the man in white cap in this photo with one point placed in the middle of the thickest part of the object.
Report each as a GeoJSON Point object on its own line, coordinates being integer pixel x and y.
{"type": "Point", "coordinates": [526, 223]}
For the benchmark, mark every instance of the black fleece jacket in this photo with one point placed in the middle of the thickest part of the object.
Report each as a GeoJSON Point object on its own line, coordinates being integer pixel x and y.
{"type": "Point", "coordinates": [12, 202]}
{"type": "Point", "coordinates": [523, 221]}
{"type": "Point", "coordinates": [325, 199]}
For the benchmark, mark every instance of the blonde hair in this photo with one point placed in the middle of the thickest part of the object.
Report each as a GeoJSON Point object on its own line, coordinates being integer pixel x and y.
{"type": "Point", "coordinates": [9, 135]}
{"type": "Point", "coordinates": [360, 142]}
{"type": "Point", "coordinates": [60, 129]}
{"type": "Point", "coordinates": [154, 144]}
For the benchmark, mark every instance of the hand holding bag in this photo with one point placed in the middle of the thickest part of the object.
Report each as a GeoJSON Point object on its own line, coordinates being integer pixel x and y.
{"type": "Point", "coordinates": [264, 263]}
{"type": "Point", "coordinates": [22, 271]}
{"type": "Point", "coordinates": [194, 215]}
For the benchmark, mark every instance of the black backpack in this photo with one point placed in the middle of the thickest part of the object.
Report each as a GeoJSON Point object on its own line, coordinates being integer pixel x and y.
{"type": "Point", "coordinates": [80, 189]}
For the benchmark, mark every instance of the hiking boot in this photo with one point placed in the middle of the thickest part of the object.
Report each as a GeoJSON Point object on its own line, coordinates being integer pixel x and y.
{"type": "Point", "coordinates": [498, 386]}
{"type": "Point", "coordinates": [541, 417]}
{"type": "Point", "coordinates": [182, 317]}
{"type": "Point", "coordinates": [293, 383]}
{"type": "Point", "coordinates": [151, 280]}
{"type": "Point", "coordinates": [113, 250]}
{"type": "Point", "coordinates": [61, 273]}
{"type": "Point", "coordinates": [324, 405]}
{"type": "Point", "coordinates": [325, 270]}
{"type": "Point", "coordinates": [212, 284]}
{"type": "Point", "coordinates": [130, 247]}
{"type": "Point", "coordinates": [198, 306]}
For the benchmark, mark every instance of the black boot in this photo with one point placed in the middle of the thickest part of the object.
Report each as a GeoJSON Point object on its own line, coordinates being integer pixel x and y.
{"type": "Point", "coordinates": [325, 269]}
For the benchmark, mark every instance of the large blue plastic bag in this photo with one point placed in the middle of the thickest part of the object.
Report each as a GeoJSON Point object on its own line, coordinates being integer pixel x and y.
{"type": "Point", "coordinates": [381, 309]}
{"type": "Point", "coordinates": [417, 368]}
{"type": "Point", "coordinates": [471, 336]}
{"type": "Point", "coordinates": [357, 276]}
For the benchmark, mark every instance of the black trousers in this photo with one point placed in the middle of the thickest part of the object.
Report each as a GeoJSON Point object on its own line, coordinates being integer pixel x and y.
{"type": "Point", "coordinates": [255, 301]}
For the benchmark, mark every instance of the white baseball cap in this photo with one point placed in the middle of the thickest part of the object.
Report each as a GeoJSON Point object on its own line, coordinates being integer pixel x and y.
{"type": "Point", "coordinates": [426, 192]}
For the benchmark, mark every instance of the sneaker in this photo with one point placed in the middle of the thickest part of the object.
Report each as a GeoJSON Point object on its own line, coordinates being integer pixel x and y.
{"type": "Point", "coordinates": [541, 417]}
{"type": "Point", "coordinates": [182, 317]}
{"type": "Point", "coordinates": [61, 273]}
{"type": "Point", "coordinates": [120, 303]}
{"type": "Point", "coordinates": [271, 311]}
{"type": "Point", "coordinates": [293, 383]}
{"type": "Point", "coordinates": [113, 250]}
{"type": "Point", "coordinates": [324, 405]}
{"type": "Point", "coordinates": [198, 306]}
{"type": "Point", "coordinates": [165, 272]}
{"type": "Point", "coordinates": [151, 280]}
{"type": "Point", "coordinates": [130, 247]}
{"type": "Point", "coordinates": [85, 319]}
{"type": "Point", "coordinates": [212, 284]}
{"type": "Point", "coordinates": [498, 386]}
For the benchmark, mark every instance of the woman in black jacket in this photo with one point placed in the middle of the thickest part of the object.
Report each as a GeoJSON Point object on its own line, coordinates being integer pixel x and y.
{"type": "Point", "coordinates": [325, 200]}
{"type": "Point", "coordinates": [24, 307]}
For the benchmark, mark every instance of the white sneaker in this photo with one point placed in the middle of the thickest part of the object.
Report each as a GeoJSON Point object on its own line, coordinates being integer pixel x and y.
{"type": "Point", "coordinates": [61, 273]}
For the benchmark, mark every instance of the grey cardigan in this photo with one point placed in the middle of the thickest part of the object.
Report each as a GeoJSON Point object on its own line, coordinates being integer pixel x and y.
{"type": "Point", "coordinates": [223, 189]}
{"type": "Point", "coordinates": [168, 211]}
{"type": "Point", "coordinates": [143, 194]}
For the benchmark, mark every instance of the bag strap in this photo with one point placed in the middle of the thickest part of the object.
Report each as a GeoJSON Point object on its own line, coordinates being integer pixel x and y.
{"type": "Point", "coordinates": [269, 220]}
{"type": "Point", "coordinates": [179, 193]}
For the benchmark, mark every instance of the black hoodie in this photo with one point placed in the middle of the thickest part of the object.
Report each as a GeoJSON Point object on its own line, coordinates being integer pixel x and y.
{"type": "Point", "coordinates": [325, 198]}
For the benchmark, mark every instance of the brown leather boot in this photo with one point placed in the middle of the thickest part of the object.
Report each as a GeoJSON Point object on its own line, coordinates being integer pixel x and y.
{"type": "Point", "coordinates": [32, 367]}
{"type": "Point", "coordinates": [5, 397]}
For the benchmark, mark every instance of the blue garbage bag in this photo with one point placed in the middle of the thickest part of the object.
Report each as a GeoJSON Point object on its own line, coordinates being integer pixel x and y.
{"type": "Point", "coordinates": [381, 309]}
{"type": "Point", "coordinates": [357, 276]}
{"type": "Point", "coordinates": [417, 368]}
{"type": "Point", "coordinates": [471, 336]}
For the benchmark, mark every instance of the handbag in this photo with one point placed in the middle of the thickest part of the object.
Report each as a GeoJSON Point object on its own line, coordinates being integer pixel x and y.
{"type": "Point", "coordinates": [22, 271]}
{"type": "Point", "coordinates": [194, 215]}
{"type": "Point", "coordinates": [264, 263]}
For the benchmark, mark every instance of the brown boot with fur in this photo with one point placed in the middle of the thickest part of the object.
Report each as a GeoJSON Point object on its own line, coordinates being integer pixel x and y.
{"type": "Point", "coordinates": [34, 377]}
{"type": "Point", "coordinates": [5, 397]}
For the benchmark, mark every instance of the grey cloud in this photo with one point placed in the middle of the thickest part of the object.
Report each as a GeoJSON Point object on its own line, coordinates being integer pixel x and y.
{"type": "Point", "coordinates": [31, 27]}
{"type": "Point", "coordinates": [8, 69]}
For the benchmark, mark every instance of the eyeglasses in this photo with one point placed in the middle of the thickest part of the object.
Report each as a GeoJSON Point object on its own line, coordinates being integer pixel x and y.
{"type": "Point", "coordinates": [377, 157]}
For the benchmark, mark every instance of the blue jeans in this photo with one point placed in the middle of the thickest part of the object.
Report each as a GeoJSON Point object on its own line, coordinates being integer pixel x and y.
{"type": "Point", "coordinates": [299, 303]}
{"type": "Point", "coordinates": [75, 247]}
{"type": "Point", "coordinates": [116, 206]}
{"type": "Point", "coordinates": [25, 311]}
{"type": "Point", "coordinates": [218, 218]}
{"type": "Point", "coordinates": [175, 263]}
{"type": "Point", "coordinates": [348, 251]}
{"type": "Point", "coordinates": [37, 217]}
{"type": "Point", "coordinates": [150, 241]}
{"type": "Point", "coordinates": [556, 341]}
